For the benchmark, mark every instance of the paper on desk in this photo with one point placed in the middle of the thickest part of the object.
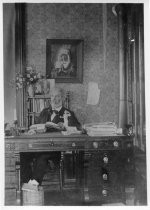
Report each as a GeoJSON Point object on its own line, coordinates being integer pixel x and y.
{"type": "Point", "coordinates": [93, 93]}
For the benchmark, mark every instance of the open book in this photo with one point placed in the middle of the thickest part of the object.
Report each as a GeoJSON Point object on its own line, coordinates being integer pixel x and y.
{"type": "Point", "coordinates": [43, 127]}
{"type": "Point", "coordinates": [53, 125]}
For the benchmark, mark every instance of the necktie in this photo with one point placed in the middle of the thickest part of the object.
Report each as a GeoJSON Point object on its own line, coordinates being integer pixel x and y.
{"type": "Point", "coordinates": [56, 112]}
{"type": "Point", "coordinates": [55, 116]}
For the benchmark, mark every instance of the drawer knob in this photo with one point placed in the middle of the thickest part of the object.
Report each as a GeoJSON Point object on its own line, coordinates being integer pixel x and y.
{"type": "Point", "coordinates": [95, 145]}
{"type": "Point", "coordinates": [105, 177]}
{"type": "Point", "coordinates": [129, 145]}
{"type": "Point", "coordinates": [105, 159]}
{"type": "Point", "coordinates": [128, 160]}
{"type": "Point", "coordinates": [104, 192]}
{"type": "Point", "coordinates": [51, 144]}
{"type": "Point", "coordinates": [116, 144]}
{"type": "Point", "coordinates": [73, 144]}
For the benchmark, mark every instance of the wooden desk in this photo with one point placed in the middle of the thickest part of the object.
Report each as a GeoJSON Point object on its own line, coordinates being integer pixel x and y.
{"type": "Point", "coordinates": [108, 158]}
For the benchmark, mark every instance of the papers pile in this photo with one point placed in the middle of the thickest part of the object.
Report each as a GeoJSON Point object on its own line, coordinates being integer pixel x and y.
{"type": "Point", "coordinates": [101, 129]}
{"type": "Point", "coordinates": [71, 130]}
{"type": "Point", "coordinates": [29, 187]}
{"type": "Point", "coordinates": [39, 128]}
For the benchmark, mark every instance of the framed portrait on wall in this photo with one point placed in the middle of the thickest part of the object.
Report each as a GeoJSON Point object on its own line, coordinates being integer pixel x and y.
{"type": "Point", "coordinates": [64, 60]}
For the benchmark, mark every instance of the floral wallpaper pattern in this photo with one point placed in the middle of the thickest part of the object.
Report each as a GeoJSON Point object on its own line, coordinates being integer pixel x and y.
{"type": "Point", "coordinates": [79, 21]}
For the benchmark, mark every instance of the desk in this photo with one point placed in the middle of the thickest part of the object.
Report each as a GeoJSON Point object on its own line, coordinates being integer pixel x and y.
{"type": "Point", "coordinates": [108, 158]}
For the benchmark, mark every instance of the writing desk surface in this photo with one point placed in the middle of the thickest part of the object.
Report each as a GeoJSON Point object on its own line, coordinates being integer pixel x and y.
{"type": "Point", "coordinates": [59, 135]}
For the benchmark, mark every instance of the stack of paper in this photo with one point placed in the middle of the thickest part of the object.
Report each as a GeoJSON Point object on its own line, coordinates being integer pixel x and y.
{"type": "Point", "coordinates": [29, 187]}
{"type": "Point", "coordinates": [98, 129]}
{"type": "Point", "coordinates": [71, 130]}
{"type": "Point", "coordinates": [38, 128]}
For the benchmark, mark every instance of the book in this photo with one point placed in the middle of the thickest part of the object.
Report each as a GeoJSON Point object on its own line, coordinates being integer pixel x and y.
{"type": "Point", "coordinates": [52, 125]}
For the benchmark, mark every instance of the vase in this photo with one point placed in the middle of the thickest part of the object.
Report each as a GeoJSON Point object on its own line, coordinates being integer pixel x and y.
{"type": "Point", "coordinates": [30, 90]}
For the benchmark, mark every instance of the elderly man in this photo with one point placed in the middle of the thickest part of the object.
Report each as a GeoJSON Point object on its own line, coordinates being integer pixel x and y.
{"type": "Point", "coordinates": [61, 116]}
{"type": "Point", "coordinates": [58, 114]}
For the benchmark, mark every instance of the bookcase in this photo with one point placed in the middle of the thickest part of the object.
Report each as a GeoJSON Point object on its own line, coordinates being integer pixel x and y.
{"type": "Point", "coordinates": [37, 103]}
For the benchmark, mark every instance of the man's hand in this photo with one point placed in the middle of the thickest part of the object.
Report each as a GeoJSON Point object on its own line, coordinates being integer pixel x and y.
{"type": "Point", "coordinates": [59, 126]}
{"type": "Point", "coordinates": [51, 124]}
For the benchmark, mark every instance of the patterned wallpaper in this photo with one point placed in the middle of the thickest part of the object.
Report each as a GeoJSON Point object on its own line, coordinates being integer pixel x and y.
{"type": "Point", "coordinates": [80, 21]}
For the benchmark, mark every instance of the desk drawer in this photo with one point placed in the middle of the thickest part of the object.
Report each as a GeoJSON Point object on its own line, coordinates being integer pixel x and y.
{"type": "Point", "coordinates": [104, 158]}
{"type": "Point", "coordinates": [105, 195]}
{"type": "Point", "coordinates": [109, 144]}
{"type": "Point", "coordinates": [10, 179]}
{"type": "Point", "coordinates": [57, 146]}
{"type": "Point", "coordinates": [10, 162]}
{"type": "Point", "coordinates": [10, 196]}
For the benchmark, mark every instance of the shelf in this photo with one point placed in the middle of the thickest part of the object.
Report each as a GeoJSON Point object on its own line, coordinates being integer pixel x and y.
{"type": "Point", "coordinates": [33, 113]}
{"type": "Point", "coordinates": [39, 97]}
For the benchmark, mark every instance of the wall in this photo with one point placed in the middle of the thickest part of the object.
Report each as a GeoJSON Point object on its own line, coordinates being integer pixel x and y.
{"type": "Point", "coordinates": [80, 21]}
{"type": "Point", "coordinates": [9, 61]}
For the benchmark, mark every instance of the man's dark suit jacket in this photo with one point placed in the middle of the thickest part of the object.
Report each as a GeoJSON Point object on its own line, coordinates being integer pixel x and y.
{"type": "Point", "coordinates": [45, 116]}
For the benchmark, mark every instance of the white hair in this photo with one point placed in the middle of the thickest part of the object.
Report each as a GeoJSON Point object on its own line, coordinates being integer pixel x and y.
{"type": "Point", "coordinates": [57, 89]}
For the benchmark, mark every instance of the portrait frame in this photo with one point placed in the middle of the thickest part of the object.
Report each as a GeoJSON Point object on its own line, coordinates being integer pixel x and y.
{"type": "Point", "coordinates": [64, 60]}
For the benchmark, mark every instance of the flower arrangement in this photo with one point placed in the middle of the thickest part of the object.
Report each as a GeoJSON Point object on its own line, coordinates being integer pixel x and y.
{"type": "Point", "coordinates": [29, 78]}
{"type": "Point", "coordinates": [20, 81]}
{"type": "Point", "coordinates": [32, 76]}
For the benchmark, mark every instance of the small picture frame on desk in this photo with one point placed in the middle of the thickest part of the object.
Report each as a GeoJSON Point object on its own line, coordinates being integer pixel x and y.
{"type": "Point", "coordinates": [38, 88]}
{"type": "Point", "coordinates": [43, 86]}
{"type": "Point", "coordinates": [64, 60]}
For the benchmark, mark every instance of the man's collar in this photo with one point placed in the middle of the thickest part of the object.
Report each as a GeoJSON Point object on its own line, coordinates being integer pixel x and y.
{"type": "Point", "coordinates": [58, 109]}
